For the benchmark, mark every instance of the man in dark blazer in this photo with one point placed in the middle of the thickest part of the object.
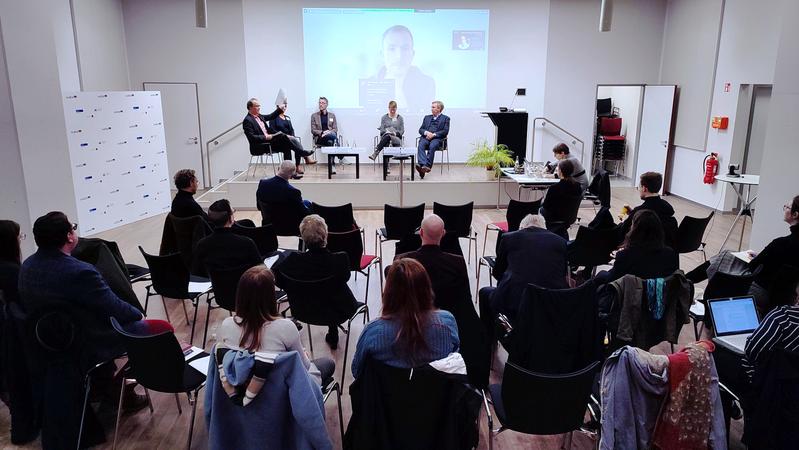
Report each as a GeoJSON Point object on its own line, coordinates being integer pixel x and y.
{"type": "Point", "coordinates": [278, 190]}
{"type": "Point", "coordinates": [318, 263]}
{"type": "Point", "coordinates": [52, 280]}
{"type": "Point", "coordinates": [648, 190]}
{"type": "Point", "coordinates": [224, 249]}
{"type": "Point", "coordinates": [256, 128]}
{"type": "Point", "coordinates": [451, 291]}
{"type": "Point", "coordinates": [435, 127]}
{"type": "Point", "coordinates": [531, 255]}
{"type": "Point", "coordinates": [184, 205]}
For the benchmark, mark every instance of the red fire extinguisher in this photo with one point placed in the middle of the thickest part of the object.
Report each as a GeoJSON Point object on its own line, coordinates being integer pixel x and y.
{"type": "Point", "coordinates": [711, 165]}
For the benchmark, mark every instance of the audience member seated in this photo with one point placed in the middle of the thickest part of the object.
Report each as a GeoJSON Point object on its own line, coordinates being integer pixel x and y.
{"type": "Point", "coordinates": [257, 326]}
{"type": "Point", "coordinates": [51, 280]}
{"type": "Point", "coordinates": [561, 153]}
{"type": "Point", "coordinates": [410, 331]}
{"type": "Point", "coordinates": [562, 199]}
{"type": "Point", "coordinates": [282, 124]}
{"type": "Point", "coordinates": [224, 249]}
{"type": "Point", "coordinates": [451, 292]}
{"type": "Point", "coordinates": [316, 264]}
{"type": "Point", "coordinates": [392, 128]}
{"type": "Point", "coordinates": [434, 129]}
{"type": "Point", "coordinates": [184, 205]}
{"type": "Point", "coordinates": [648, 189]}
{"type": "Point", "coordinates": [10, 259]}
{"type": "Point", "coordinates": [778, 330]}
{"type": "Point", "coordinates": [643, 252]}
{"type": "Point", "coordinates": [278, 190]}
{"type": "Point", "coordinates": [532, 254]}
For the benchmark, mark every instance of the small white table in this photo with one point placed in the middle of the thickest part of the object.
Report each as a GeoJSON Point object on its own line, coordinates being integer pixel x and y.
{"type": "Point", "coordinates": [524, 181]}
{"type": "Point", "coordinates": [333, 152]}
{"type": "Point", "coordinates": [739, 184]}
{"type": "Point", "coordinates": [400, 154]}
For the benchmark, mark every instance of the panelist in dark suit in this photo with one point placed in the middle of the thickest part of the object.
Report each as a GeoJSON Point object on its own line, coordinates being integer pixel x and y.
{"type": "Point", "coordinates": [278, 190]}
{"type": "Point", "coordinates": [224, 249]}
{"type": "Point", "coordinates": [282, 124]}
{"type": "Point", "coordinates": [531, 255]}
{"type": "Point", "coordinates": [51, 278]}
{"type": "Point", "coordinates": [435, 127]}
{"type": "Point", "coordinates": [316, 264]}
{"type": "Point", "coordinates": [451, 292]}
{"type": "Point", "coordinates": [184, 205]}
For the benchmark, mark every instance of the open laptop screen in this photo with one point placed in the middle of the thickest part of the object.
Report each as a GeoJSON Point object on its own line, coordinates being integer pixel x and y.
{"type": "Point", "coordinates": [733, 315]}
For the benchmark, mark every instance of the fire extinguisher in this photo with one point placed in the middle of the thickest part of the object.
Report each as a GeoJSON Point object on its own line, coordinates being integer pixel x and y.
{"type": "Point", "coordinates": [711, 165]}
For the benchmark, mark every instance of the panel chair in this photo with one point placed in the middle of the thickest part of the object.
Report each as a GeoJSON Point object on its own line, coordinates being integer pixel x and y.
{"type": "Point", "coordinates": [170, 279]}
{"type": "Point", "coordinates": [374, 147]}
{"type": "Point", "coordinates": [256, 160]}
{"type": "Point", "coordinates": [516, 211]}
{"type": "Point", "coordinates": [444, 150]}
{"type": "Point", "coordinates": [264, 237]}
{"type": "Point", "coordinates": [310, 303]}
{"type": "Point", "coordinates": [338, 218]}
{"type": "Point", "coordinates": [351, 243]}
{"type": "Point", "coordinates": [157, 363]}
{"type": "Point", "coordinates": [690, 234]}
{"type": "Point", "coordinates": [539, 403]}
{"type": "Point", "coordinates": [458, 221]}
{"type": "Point", "coordinates": [400, 222]}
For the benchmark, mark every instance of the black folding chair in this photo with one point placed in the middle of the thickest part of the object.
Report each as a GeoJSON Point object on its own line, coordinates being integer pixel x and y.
{"type": "Point", "coordinates": [399, 223]}
{"type": "Point", "coordinates": [517, 210]}
{"type": "Point", "coordinates": [598, 192]}
{"type": "Point", "coordinates": [592, 247]}
{"type": "Point", "coordinates": [458, 221]}
{"type": "Point", "coordinates": [538, 403]}
{"type": "Point", "coordinates": [722, 285]}
{"type": "Point", "coordinates": [338, 218]}
{"type": "Point", "coordinates": [690, 234]}
{"type": "Point", "coordinates": [224, 283]}
{"type": "Point", "coordinates": [188, 232]}
{"type": "Point", "coordinates": [156, 362]}
{"type": "Point", "coordinates": [310, 302]}
{"type": "Point", "coordinates": [284, 217]}
{"type": "Point", "coordinates": [170, 279]}
{"type": "Point", "coordinates": [350, 242]}
{"type": "Point", "coordinates": [264, 237]}
{"type": "Point", "coordinates": [560, 225]}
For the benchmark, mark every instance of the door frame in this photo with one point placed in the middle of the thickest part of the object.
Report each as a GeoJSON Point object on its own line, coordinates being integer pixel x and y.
{"type": "Point", "coordinates": [203, 164]}
{"type": "Point", "coordinates": [638, 120]}
{"type": "Point", "coordinates": [751, 113]}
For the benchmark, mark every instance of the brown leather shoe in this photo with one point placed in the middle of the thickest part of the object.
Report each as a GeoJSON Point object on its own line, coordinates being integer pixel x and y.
{"type": "Point", "coordinates": [309, 160]}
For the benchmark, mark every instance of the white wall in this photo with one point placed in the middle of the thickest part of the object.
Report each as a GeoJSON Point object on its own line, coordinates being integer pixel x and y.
{"type": "Point", "coordinates": [37, 38]}
{"type": "Point", "coordinates": [579, 58]}
{"type": "Point", "coordinates": [746, 55]}
{"type": "Point", "coordinates": [164, 45]}
{"type": "Point", "coordinates": [628, 100]}
{"type": "Point", "coordinates": [102, 54]}
{"type": "Point", "coordinates": [778, 182]}
{"type": "Point", "coordinates": [517, 55]}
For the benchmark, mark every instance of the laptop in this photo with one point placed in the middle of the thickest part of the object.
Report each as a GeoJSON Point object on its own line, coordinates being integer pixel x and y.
{"type": "Point", "coordinates": [734, 320]}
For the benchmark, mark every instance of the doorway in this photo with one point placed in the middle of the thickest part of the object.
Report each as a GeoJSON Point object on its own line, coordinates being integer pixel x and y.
{"type": "Point", "coordinates": [618, 117]}
{"type": "Point", "coordinates": [181, 126]}
{"type": "Point", "coordinates": [756, 131]}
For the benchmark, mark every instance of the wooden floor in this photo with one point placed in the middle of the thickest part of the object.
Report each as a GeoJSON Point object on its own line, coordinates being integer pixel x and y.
{"type": "Point", "coordinates": [165, 429]}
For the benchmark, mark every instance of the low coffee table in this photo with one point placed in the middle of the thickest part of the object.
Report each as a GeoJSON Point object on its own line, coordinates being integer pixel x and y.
{"type": "Point", "coordinates": [398, 152]}
{"type": "Point", "coordinates": [333, 152]}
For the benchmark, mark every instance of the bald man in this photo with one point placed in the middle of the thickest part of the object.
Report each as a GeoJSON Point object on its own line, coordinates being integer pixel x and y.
{"type": "Point", "coordinates": [452, 293]}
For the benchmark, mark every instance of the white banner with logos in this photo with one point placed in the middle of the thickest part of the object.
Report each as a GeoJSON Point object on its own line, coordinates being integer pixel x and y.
{"type": "Point", "coordinates": [117, 150]}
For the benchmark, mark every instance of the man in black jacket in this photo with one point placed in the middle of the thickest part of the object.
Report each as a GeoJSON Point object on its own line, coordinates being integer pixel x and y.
{"type": "Point", "coordinates": [184, 205]}
{"type": "Point", "coordinates": [531, 255]}
{"type": "Point", "coordinates": [451, 292]}
{"type": "Point", "coordinates": [224, 249]}
{"type": "Point", "coordinates": [318, 263]}
{"type": "Point", "coordinates": [650, 185]}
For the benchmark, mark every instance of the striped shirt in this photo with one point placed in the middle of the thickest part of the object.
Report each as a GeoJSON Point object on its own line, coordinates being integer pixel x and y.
{"type": "Point", "coordinates": [779, 330]}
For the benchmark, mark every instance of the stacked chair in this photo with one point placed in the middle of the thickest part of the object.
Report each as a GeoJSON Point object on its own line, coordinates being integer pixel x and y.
{"type": "Point", "coordinates": [610, 144]}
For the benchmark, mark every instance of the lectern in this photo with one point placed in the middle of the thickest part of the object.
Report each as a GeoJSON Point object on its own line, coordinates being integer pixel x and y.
{"type": "Point", "coordinates": [511, 131]}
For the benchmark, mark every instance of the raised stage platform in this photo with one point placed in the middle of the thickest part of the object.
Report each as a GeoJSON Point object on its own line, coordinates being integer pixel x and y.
{"type": "Point", "coordinates": [460, 184]}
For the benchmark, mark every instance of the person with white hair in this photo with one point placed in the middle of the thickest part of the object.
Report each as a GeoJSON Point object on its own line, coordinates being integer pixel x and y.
{"type": "Point", "coordinates": [530, 255]}
{"type": "Point", "coordinates": [434, 129]}
{"type": "Point", "coordinates": [278, 190]}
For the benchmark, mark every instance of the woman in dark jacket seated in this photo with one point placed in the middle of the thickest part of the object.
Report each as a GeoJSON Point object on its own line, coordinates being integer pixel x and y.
{"type": "Point", "coordinates": [282, 123]}
{"type": "Point", "coordinates": [410, 331]}
{"type": "Point", "coordinates": [562, 200]}
{"type": "Point", "coordinates": [643, 253]}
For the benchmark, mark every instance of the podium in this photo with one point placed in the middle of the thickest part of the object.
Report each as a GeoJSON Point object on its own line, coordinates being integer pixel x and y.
{"type": "Point", "coordinates": [511, 131]}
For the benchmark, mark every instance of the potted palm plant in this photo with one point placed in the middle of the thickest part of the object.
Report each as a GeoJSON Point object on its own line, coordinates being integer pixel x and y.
{"type": "Point", "coordinates": [492, 157]}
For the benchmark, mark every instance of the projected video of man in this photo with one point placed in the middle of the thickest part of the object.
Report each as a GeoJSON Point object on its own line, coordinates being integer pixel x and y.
{"type": "Point", "coordinates": [398, 78]}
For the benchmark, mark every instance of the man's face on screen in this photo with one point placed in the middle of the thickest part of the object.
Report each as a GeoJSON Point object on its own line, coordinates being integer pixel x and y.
{"type": "Point", "coordinates": [397, 51]}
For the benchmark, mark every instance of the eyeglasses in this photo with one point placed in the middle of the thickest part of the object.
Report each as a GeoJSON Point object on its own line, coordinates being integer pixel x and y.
{"type": "Point", "coordinates": [786, 206]}
{"type": "Point", "coordinates": [23, 236]}
{"type": "Point", "coordinates": [74, 226]}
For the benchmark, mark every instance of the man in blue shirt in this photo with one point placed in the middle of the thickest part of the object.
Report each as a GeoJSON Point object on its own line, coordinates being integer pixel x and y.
{"type": "Point", "coordinates": [434, 129]}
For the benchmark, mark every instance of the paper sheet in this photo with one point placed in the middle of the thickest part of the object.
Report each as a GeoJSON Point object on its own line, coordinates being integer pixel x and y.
{"type": "Point", "coordinates": [201, 364]}
{"type": "Point", "coordinates": [271, 260]}
{"type": "Point", "coordinates": [199, 286]}
{"type": "Point", "coordinates": [743, 256]}
{"type": "Point", "coordinates": [194, 352]}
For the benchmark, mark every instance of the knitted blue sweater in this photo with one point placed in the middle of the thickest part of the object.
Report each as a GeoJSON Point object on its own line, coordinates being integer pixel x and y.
{"type": "Point", "coordinates": [377, 342]}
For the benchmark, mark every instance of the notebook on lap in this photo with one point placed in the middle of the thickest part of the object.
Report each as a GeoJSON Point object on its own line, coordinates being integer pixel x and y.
{"type": "Point", "coordinates": [734, 320]}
